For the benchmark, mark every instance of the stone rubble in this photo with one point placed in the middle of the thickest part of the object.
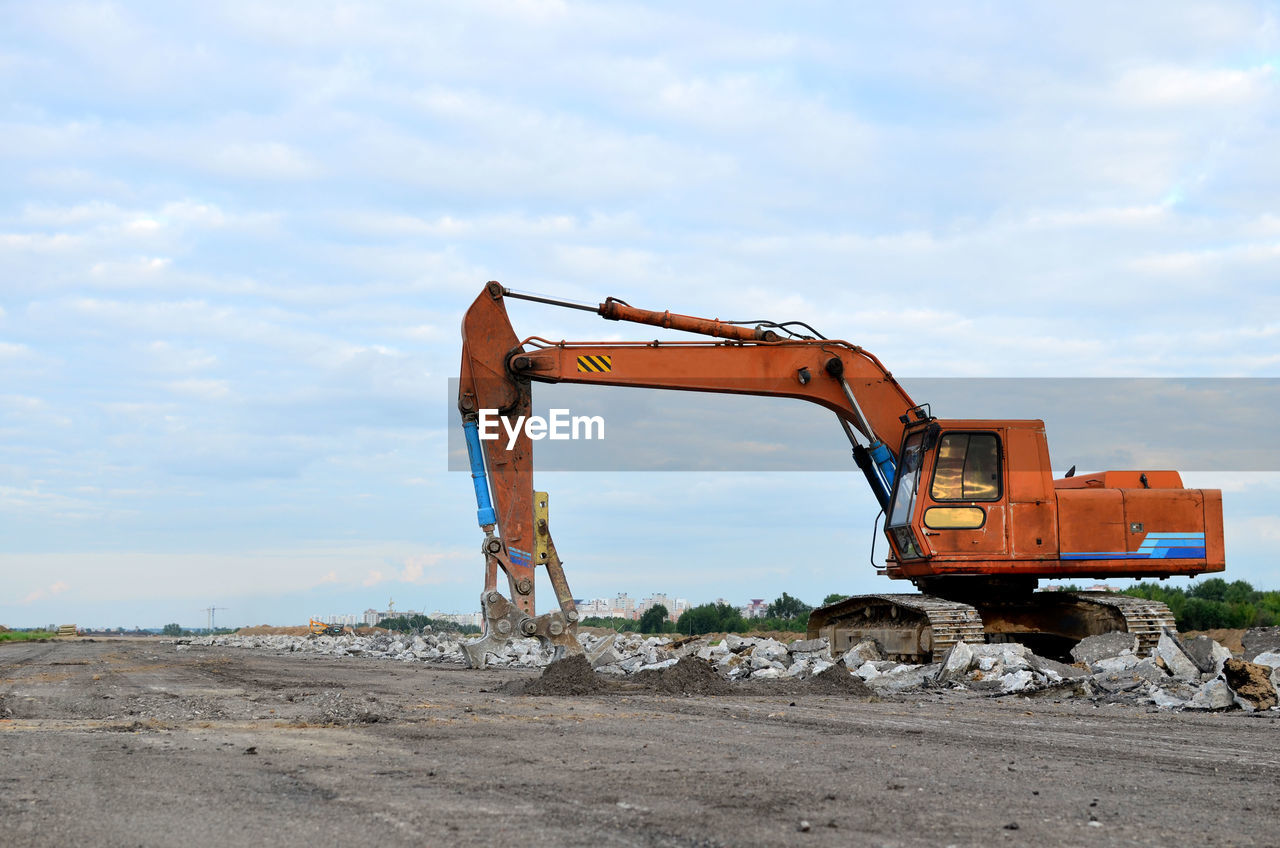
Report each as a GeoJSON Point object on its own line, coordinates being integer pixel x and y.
{"type": "Point", "coordinates": [1199, 674]}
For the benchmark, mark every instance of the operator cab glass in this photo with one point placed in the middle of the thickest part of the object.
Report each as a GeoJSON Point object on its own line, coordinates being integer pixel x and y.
{"type": "Point", "coordinates": [904, 497]}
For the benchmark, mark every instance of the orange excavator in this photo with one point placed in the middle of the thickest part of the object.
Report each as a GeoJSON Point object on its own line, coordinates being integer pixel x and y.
{"type": "Point", "coordinates": [974, 517]}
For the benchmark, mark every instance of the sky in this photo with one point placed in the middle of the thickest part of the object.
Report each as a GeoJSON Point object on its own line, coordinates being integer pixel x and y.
{"type": "Point", "coordinates": [237, 240]}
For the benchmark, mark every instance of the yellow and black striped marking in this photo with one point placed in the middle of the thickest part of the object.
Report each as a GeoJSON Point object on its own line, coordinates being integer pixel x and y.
{"type": "Point", "coordinates": [598, 364]}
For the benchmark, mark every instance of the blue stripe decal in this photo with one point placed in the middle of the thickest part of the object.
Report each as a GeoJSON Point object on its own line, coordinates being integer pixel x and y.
{"type": "Point", "coordinates": [1153, 546]}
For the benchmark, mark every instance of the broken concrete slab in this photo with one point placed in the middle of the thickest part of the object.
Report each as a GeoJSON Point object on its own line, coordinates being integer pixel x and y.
{"type": "Point", "coordinates": [1001, 649]}
{"type": "Point", "coordinates": [771, 650]}
{"type": "Point", "coordinates": [1147, 670]}
{"type": "Point", "coordinates": [866, 650]}
{"type": "Point", "coordinates": [1117, 681]}
{"type": "Point", "coordinates": [904, 677]}
{"type": "Point", "coordinates": [1260, 640]}
{"type": "Point", "coordinates": [1251, 683]}
{"type": "Point", "coordinates": [1165, 700]}
{"type": "Point", "coordinates": [1046, 666]}
{"type": "Point", "coordinates": [957, 662]}
{"type": "Point", "coordinates": [1214, 695]}
{"type": "Point", "coordinates": [603, 652]}
{"type": "Point", "coordinates": [1017, 681]}
{"type": "Point", "coordinates": [808, 646]}
{"type": "Point", "coordinates": [1207, 654]}
{"type": "Point", "coordinates": [1169, 650]}
{"type": "Point", "coordinates": [1095, 648]}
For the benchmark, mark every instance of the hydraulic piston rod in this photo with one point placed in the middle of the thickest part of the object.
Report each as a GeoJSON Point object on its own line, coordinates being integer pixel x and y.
{"type": "Point", "coordinates": [485, 515]}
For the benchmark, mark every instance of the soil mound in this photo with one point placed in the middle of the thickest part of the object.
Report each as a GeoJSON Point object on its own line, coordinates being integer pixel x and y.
{"type": "Point", "coordinates": [689, 676]}
{"type": "Point", "coordinates": [837, 680]}
{"type": "Point", "coordinates": [1251, 682]}
{"type": "Point", "coordinates": [269, 630]}
{"type": "Point", "coordinates": [572, 675]}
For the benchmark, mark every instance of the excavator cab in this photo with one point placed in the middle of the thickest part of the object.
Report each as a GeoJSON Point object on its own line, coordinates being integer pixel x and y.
{"type": "Point", "coordinates": [977, 499]}
{"type": "Point", "coordinates": [950, 509]}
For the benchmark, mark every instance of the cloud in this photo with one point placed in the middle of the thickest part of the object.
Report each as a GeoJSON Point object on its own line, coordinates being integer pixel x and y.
{"type": "Point", "coordinates": [270, 160]}
{"type": "Point", "coordinates": [213, 390]}
{"type": "Point", "coordinates": [1174, 86]}
{"type": "Point", "coordinates": [41, 594]}
{"type": "Point", "coordinates": [228, 319]}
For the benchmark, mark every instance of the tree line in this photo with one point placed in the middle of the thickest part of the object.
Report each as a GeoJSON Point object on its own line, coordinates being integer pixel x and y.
{"type": "Point", "coordinates": [1214, 603]}
{"type": "Point", "coordinates": [411, 623]}
{"type": "Point", "coordinates": [786, 613]}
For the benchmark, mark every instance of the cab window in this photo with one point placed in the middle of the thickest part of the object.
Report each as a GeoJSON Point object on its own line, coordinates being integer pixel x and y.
{"type": "Point", "coordinates": [968, 468]}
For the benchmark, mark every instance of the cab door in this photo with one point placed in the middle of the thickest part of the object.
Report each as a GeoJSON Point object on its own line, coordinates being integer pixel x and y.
{"type": "Point", "coordinates": [964, 510]}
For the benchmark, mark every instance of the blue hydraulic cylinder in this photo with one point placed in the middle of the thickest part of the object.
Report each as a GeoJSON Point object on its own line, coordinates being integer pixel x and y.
{"type": "Point", "coordinates": [484, 512]}
{"type": "Point", "coordinates": [884, 463]}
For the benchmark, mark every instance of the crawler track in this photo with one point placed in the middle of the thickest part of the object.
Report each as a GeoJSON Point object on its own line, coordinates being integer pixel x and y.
{"type": "Point", "coordinates": [1145, 619]}
{"type": "Point", "coordinates": [922, 628]}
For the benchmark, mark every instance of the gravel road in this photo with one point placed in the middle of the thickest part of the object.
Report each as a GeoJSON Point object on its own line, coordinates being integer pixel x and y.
{"type": "Point", "coordinates": [143, 742]}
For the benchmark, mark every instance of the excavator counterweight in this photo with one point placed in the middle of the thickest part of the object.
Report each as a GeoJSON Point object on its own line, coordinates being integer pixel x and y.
{"type": "Point", "coordinates": [974, 516]}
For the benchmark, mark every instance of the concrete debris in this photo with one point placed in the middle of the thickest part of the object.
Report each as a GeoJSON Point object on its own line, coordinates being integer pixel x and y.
{"type": "Point", "coordinates": [1111, 665]}
{"type": "Point", "coordinates": [1207, 654]}
{"type": "Point", "coordinates": [1054, 669]}
{"type": "Point", "coordinates": [1169, 649]}
{"type": "Point", "coordinates": [868, 650]}
{"type": "Point", "coordinates": [808, 646]}
{"type": "Point", "coordinates": [958, 661]}
{"type": "Point", "coordinates": [1214, 695]}
{"type": "Point", "coordinates": [1251, 684]}
{"type": "Point", "coordinates": [1095, 648]}
{"type": "Point", "coordinates": [904, 677]}
{"type": "Point", "coordinates": [770, 650]}
{"type": "Point", "coordinates": [1016, 681]}
{"type": "Point", "coordinates": [1197, 675]}
{"type": "Point", "coordinates": [1164, 700]}
{"type": "Point", "coordinates": [872, 669]}
{"type": "Point", "coordinates": [1147, 670]}
{"type": "Point", "coordinates": [1260, 640]}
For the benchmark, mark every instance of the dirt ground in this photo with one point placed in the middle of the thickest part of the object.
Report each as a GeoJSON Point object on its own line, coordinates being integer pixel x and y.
{"type": "Point", "coordinates": [142, 742]}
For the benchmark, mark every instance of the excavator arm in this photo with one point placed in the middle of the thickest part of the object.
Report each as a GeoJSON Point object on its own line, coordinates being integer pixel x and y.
{"type": "Point", "coordinates": [769, 359]}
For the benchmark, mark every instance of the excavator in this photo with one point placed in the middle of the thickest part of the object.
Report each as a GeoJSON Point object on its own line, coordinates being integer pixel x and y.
{"type": "Point", "coordinates": [974, 517]}
{"type": "Point", "coordinates": [319, 628]}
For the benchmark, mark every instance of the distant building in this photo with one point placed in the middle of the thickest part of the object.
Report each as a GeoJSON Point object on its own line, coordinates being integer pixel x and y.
{"type": "Point", "coordinates": [472, 618]}
{"type": "Point", "coordinates": [371, 617]}
{"type": "Point", "coordinates": [601, 607]}
{"type": "Point", "coordinates": [624, 606]}
{"type": "Point", "coordinates": [757, 608]}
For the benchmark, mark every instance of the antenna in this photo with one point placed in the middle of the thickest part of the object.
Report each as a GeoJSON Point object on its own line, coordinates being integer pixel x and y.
{"type": "Point", "coordinates": [212, 610]}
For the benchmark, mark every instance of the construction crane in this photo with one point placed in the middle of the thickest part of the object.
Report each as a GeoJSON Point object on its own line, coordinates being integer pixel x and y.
{"type": "Point", "coordinates": [974, 517]}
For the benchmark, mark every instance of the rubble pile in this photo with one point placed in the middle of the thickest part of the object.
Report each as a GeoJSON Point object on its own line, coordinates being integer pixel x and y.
{"type": "Point", "coordinates": [1195, 674]}
{"type": "Point", "coordinates": [426, 647]}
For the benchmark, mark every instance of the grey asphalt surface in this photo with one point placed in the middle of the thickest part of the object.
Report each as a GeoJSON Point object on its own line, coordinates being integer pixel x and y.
{"type": "Point", "coordinates": [143, 742]}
